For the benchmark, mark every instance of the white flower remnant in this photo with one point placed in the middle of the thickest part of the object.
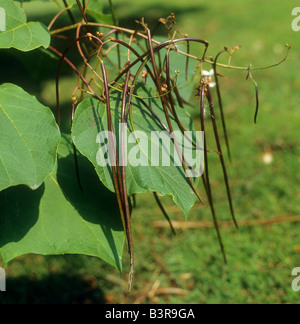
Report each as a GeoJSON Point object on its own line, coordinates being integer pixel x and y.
{"type": "Point", "coordinates": [267, 158]}
{"type": "Point", "coordinates": [207, 78]}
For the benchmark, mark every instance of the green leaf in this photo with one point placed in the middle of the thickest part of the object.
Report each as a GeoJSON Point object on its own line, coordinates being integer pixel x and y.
{"type": "Point", "coordinates": [29, 139]}
{"type": "Point", "coordinates": [186, 82]}
{"type": "Point", "coordinates": [19, 34]}
{"type": "Point", "coordinates": [95, 10]}
{"type": "Point", "coordinates": [59, 219]}
{"type": "Point", "coordinates": [40, 63]}
{"type": "Point", "coordinates": [91, 119]}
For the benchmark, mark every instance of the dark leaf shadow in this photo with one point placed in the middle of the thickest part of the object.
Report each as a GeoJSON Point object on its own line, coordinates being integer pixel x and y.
{"type": "Point", "coordinates": [19, 212]}
{"type": "Point", "coordinates": [52, 289]}
{"type": "Point", "coordinates": [96, 204]}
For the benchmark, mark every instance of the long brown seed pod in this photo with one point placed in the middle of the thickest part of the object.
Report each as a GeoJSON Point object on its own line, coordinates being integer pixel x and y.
{"type": "Point", "coordinates": [205, 176]}
{"type": "Point", "coordinates": [213, 118]}
{"type": "Point", "coordinates": [221, 103]}
{"type": "Point", "coordinates": [119, 181]}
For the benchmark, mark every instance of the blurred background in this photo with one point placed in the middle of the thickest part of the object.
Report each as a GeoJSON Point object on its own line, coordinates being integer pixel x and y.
{"type": "Point", "coordinates": [264, 176]}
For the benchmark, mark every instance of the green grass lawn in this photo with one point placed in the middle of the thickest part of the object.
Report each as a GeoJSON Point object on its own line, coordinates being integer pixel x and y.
{"type": "Point", "coordinates": [261, 257]}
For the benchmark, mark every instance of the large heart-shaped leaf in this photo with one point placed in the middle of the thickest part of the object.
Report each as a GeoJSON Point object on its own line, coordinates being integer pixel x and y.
{"type": "Point", "coordinates": [29, 139]}
{"type": "Point", "coordinates": [18, 33]}
{"type": "Point", "coordinates": [58, 218]}
{"type": "Point", "coordinates": [167, 179]}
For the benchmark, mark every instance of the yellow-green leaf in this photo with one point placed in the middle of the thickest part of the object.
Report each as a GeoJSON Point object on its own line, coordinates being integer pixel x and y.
{"type": "Point", "coordinates": [29, 137]}
{"type": "Point", "coordinates": [18, 33]}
